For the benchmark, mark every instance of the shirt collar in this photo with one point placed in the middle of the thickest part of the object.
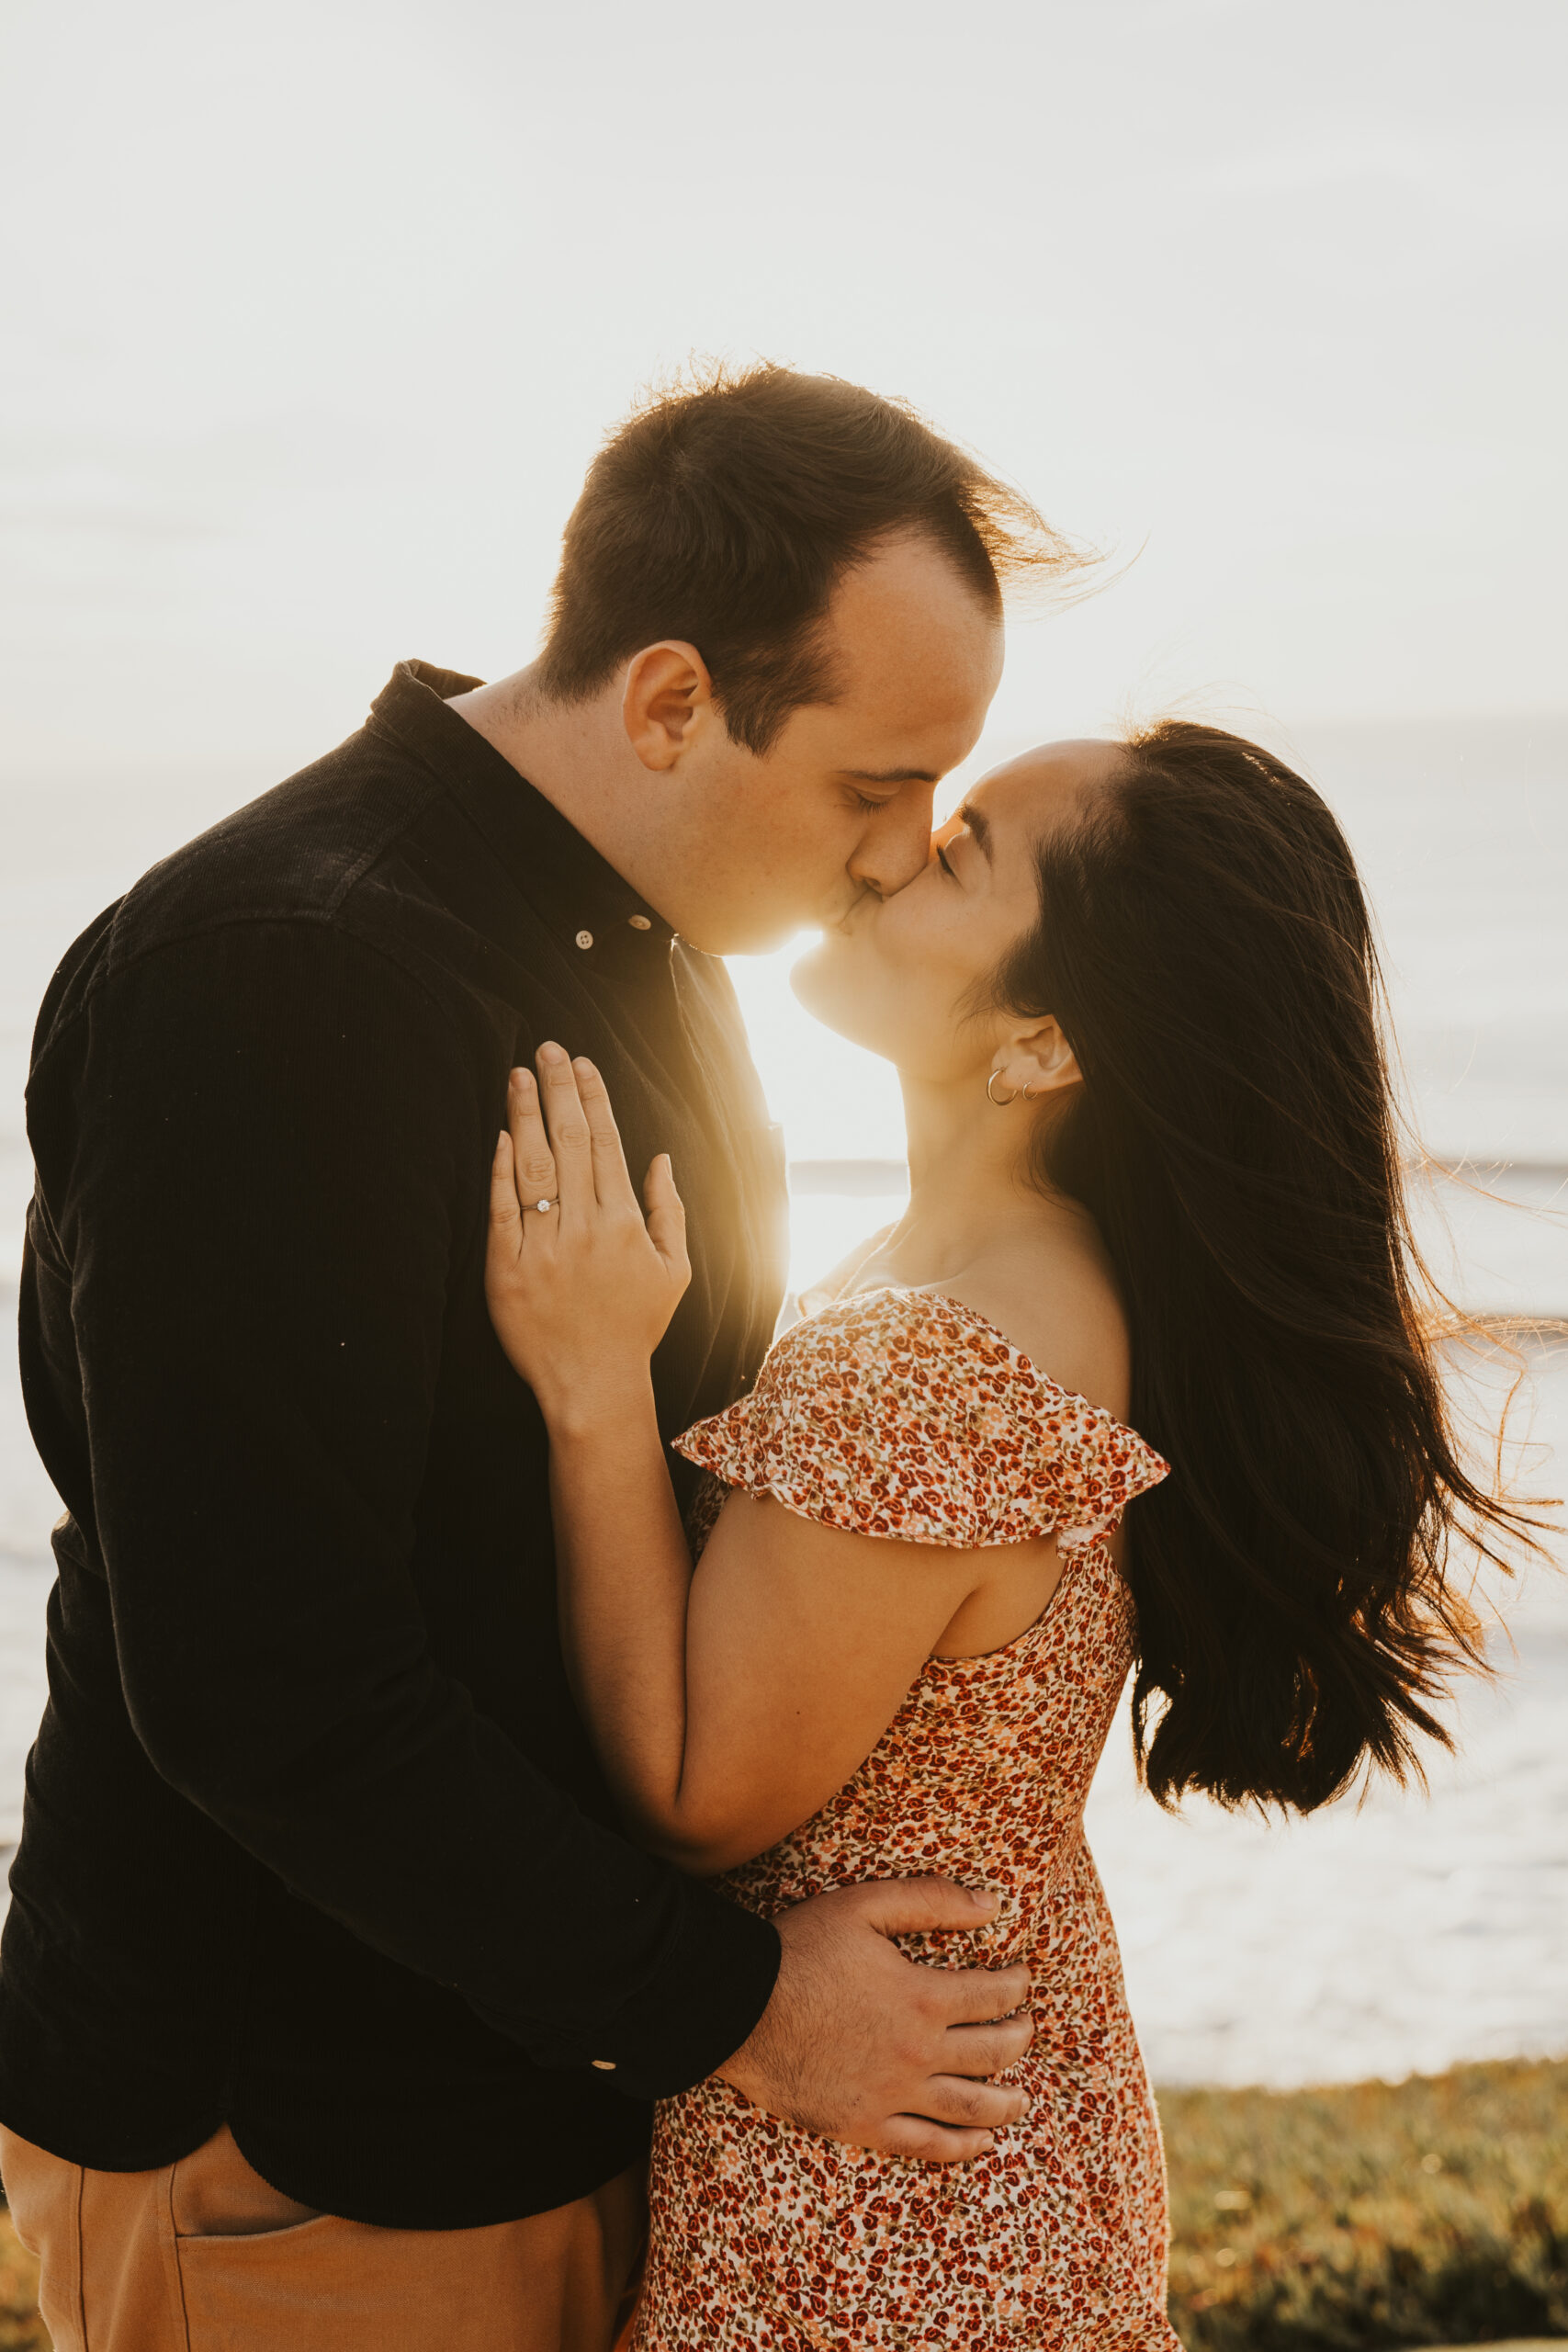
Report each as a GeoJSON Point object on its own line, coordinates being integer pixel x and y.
{"type": "Point", "coordinates": [576, 892]}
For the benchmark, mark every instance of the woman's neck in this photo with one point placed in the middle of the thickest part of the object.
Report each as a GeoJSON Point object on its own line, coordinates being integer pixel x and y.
{"type": "Point", "coordinates": [972, 1193]}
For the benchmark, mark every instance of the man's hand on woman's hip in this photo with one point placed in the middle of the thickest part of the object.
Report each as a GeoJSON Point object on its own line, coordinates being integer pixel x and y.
{"type": "Point", "coordinates": [861, 2044]}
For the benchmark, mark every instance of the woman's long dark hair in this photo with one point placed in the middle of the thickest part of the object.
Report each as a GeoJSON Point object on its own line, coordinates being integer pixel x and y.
{"type": "Point", "coordinates": [1205, 945]}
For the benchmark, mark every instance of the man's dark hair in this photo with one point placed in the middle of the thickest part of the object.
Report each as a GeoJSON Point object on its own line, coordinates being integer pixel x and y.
{"type": "Point", "coordinates": [725, 512]}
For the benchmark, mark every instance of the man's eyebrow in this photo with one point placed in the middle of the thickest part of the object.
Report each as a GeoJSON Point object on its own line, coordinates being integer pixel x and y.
{"type": "Point", "coordinates": [979, 826]}
{"type": "Point", "coordinates": [891, 775]}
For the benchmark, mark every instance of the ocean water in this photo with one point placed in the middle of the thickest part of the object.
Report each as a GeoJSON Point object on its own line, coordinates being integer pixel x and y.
{"type": "Point", "coordinates": [1403, 1931]}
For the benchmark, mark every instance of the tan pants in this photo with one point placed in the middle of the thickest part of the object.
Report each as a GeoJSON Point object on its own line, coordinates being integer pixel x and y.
{"type": "Point", "coordinates": [203, 2256]}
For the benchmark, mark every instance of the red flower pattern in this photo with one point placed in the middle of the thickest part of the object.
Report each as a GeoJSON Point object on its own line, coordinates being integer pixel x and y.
{"type": "Point", "coordinates": [906, 1414]}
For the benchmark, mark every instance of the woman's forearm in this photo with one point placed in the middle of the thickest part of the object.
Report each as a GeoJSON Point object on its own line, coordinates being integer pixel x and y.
{"type": "Point", "coordinates": [624, 1575]}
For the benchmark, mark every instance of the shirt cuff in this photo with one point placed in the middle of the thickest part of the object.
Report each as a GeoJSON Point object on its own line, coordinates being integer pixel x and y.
{"type": "Point", "coordinates": [713, 1983]}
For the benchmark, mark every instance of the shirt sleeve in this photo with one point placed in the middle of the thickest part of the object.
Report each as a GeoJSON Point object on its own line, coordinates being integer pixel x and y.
{"type": "Point", "coordinates": [1099, 1467]}
{"type": "Point", "coordinates": [899, 1414]}
{"type": "Point", "coordinates": [256, 1160]}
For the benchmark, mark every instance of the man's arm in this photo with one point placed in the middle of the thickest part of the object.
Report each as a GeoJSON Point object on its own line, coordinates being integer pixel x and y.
{"type": "Point", "coordinates": [257, 1160]}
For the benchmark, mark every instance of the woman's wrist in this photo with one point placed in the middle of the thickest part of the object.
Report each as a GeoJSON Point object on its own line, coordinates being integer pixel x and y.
{"type": "Point", "coordinates": [603, 1402]}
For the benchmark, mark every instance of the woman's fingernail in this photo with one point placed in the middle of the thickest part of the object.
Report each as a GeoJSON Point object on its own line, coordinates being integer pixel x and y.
{"type": "Point", "coordinates": [551, 1053]}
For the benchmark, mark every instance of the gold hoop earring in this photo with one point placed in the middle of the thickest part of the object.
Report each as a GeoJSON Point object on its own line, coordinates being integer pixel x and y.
{"type": "Point", "coordinates": [990, 1092]}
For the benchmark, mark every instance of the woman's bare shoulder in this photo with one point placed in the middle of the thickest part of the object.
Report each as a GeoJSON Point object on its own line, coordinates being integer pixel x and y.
{"type": "Point", "coordinates": [1057, 1301]}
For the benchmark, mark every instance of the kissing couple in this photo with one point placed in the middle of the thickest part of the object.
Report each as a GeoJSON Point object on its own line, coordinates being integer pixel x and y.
{"type": "Point", "coordinates": [559, 1814]}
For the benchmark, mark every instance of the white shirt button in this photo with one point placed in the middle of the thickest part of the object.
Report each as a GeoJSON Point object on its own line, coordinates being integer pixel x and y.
{"type": "Point", "coordinates": [585, 939]}
{"type": "Point", "coordinates": [605, 2065]}
{"type": "Point", "coordinates": [639, 923]}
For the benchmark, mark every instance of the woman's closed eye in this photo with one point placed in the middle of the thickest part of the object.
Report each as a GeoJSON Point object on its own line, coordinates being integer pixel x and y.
{"type": "Point", "coordinates": [947, 839]}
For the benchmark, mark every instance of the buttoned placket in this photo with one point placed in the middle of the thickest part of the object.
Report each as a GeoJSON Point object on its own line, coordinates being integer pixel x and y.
{"type": "Point", "coordinates": [584, 940]}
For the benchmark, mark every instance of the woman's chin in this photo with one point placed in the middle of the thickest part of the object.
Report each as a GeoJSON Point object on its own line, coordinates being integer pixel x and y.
{"type": "Point", "coordinates": [825, 990]}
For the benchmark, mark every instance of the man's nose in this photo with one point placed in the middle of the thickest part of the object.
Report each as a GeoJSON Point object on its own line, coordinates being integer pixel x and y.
{"type": "Point", "coordinates": [896, 844]}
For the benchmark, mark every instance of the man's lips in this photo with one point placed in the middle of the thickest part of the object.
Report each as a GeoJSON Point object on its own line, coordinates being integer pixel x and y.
{"type": "Point", "coordinates": [844, 921]}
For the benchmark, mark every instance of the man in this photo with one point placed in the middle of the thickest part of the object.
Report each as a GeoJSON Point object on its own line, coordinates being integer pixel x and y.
{"type": "Point", "coordinates": [331, 1999]}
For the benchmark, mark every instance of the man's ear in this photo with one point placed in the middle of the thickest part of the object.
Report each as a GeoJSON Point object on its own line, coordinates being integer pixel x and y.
{"type": "Point", "coordinates": [1036, 1062]}
{"type": "Point", "coordinates": [667, 701]}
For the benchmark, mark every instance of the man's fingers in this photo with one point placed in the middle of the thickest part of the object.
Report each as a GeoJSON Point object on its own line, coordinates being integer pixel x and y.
{"type": "Point", "coordinates": [990, 2049]}
{"type": "Point", "coordinates": [611, 1178]}
{"type": "Point", "coordinates": [960, 2121]}
{"type": "Point", "coordinates": [667, 1219]}
{"type": "Point", "coordinates": [909, 1906]}
{"type": "Point", "coordinates": [954, 2100]}
{"type": "Point", "coordinates": [569, 1140]}
{"type": "Point", "coordinates": [931, 2144]}
{"type": "Point", "coordinates": [534, 1160]}
{"type": "Point", "coordinates": [972, 1996]}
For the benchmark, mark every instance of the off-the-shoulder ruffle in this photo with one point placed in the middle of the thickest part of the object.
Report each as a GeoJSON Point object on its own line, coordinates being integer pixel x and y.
{"type": "Point", "coordinates": [906, 1413]}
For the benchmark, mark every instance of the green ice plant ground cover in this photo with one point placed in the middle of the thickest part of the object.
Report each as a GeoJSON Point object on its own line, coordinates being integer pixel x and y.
{"type": "Point", "coordinates": [1432, 2211]}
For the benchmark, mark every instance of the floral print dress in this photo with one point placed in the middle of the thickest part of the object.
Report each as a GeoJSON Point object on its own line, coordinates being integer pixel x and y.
{"type": "Point", "coordinates": [905, 1414]}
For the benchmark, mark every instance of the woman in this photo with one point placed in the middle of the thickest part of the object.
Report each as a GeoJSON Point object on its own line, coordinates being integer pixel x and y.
{"type": "Point", "coordinates": [1155, 1269]}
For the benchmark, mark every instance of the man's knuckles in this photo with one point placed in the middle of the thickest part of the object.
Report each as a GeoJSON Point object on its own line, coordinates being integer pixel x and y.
{"type": "Point", "coordinates": [972, 2104]}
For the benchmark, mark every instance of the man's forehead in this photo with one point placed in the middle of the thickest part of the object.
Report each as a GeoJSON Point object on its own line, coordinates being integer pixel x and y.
{"type": "Point", "coordinates": [915, 707]}
{"type": "Point", "coordinates": [901, 604]}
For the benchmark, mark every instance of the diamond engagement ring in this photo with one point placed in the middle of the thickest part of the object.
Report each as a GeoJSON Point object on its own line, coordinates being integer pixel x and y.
{"type": "Point", "coordinates": [542, 1204]}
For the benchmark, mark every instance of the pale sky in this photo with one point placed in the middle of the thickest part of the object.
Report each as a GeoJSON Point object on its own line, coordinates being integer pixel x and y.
{"type": "Point", "coordinates": [316, 311]}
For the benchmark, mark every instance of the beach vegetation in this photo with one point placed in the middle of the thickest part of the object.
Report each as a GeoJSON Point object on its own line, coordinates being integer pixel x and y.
{"type": "Point", "coordinates": [1431, 2211]}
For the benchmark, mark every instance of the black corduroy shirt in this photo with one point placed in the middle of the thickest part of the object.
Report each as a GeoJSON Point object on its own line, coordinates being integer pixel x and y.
{"type": "Point", "coordinates": [314, 1842]}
